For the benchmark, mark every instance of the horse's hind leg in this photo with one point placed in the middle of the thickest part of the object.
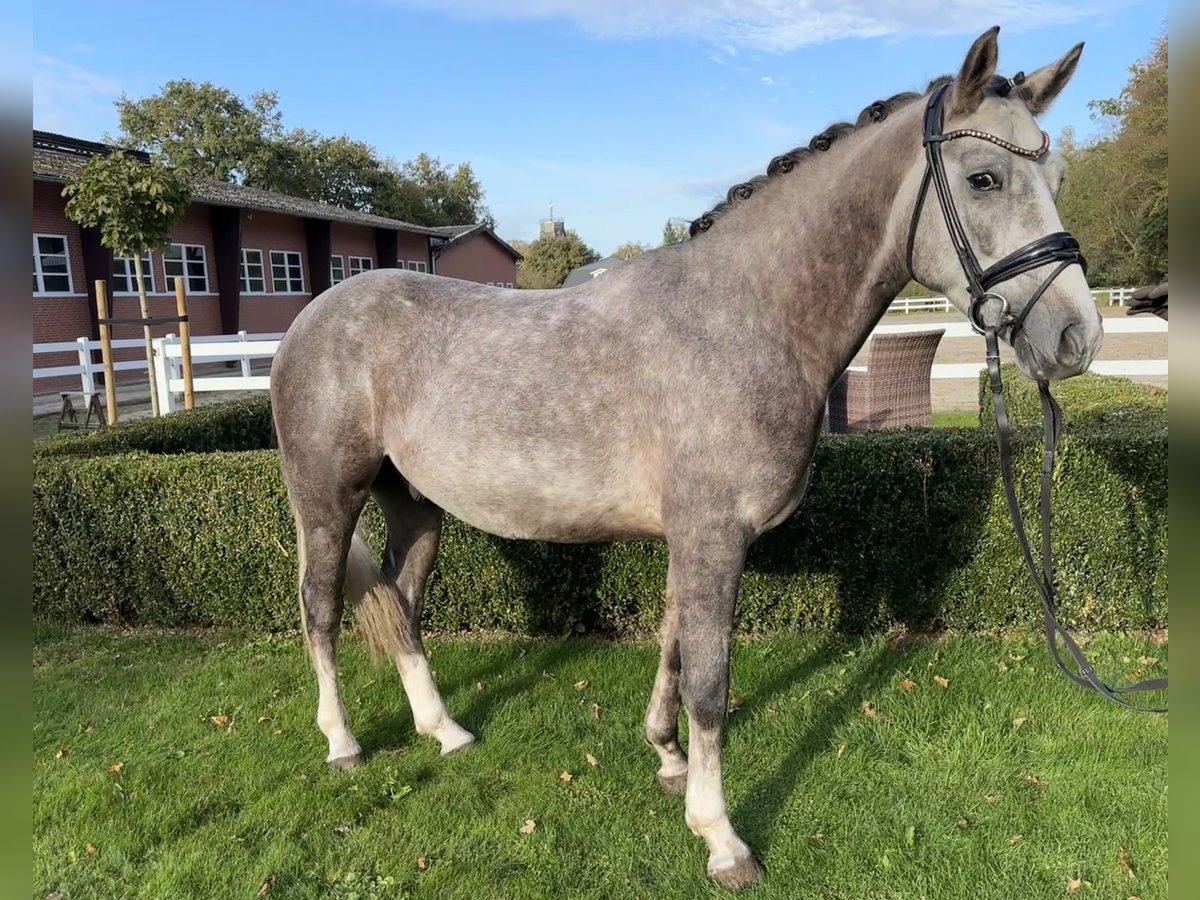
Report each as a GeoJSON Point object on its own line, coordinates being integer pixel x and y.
{"type": "Point", "coordinates": [662, 715]}
{"type": "Point", "coordinates": [414, 532]}
{"type": "Point", "coordinates": [324, 528]}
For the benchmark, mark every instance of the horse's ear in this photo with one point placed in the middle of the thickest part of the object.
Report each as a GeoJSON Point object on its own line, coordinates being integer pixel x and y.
{"type": "Point", "coordinates": [977, 71]}
{"type": "Point", "coordinates": [1041, 87]}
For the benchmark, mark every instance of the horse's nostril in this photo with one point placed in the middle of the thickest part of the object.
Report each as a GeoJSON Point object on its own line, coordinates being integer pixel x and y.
{"type": "Point", "coordinates": [1071, 344]}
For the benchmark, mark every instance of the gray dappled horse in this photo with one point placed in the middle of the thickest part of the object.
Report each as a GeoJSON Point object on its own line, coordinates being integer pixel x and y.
{"type": "Point", "coordinates": [678, 398]}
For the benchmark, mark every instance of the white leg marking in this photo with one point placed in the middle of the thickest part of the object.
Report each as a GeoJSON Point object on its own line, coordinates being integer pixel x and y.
{"type": "Point", "coordinates": [429, 712]}
{"type": "Point", "coordinates": [331, 712]}
{"type": "Point", "coordinates": [706, 816]}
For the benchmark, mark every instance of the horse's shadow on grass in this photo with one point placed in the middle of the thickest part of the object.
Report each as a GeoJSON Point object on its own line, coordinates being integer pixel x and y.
{"type": "Point", "coordinates": [759, 808]}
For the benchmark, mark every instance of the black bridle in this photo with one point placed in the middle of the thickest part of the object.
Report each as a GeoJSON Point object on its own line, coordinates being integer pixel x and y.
{"type": "Point", "coordinates": [1061, 248]}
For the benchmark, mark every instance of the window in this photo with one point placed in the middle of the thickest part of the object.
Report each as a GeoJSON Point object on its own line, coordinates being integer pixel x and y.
{"type": "Point", "coordinates": [124, 276]}
{"type": "Point", "coordinates": [508, 284]}
{"type": "Point", "coordinates": [418, 265]}
{"type": "Point", "coordinates": [51, 270]}
{"type": "Point", "coordinates": [287, 272]}
{"type": "Point", "coordinates": [188, 261]}
{"type": "Point", "coordinates": [254, 276]}
{"type": "Point", "coordinates": [337, 271]}
{"type": "Point", "coordinates": [360, 264]}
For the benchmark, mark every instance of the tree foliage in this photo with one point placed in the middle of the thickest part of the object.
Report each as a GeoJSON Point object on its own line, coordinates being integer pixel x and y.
{"type": "Point", "coordinates": [674, 232]}
{"type": "Point", "coordinates": [630, 249]}
{"type": "Point", "coordinates": [550, 259]}
{"type": "Point", "coordinates": [1114, 198]}
{"type": "Point", "coordinates": [208, 131]}
{"type": "Point", "coordinates": [133, 204]}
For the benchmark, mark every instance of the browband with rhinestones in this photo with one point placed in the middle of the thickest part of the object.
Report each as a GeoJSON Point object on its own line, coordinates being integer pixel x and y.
{"type": "Point", "coordinates": [1000, 142]}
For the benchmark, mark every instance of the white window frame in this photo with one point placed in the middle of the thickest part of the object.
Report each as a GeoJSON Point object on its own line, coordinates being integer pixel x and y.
{"type": "Point", "coordinates": [355, 266]}
{"type": "Point", "coordinates": [244, 272]}
{"type": "Point", "coordinates": [131, 275]}
{"type": "Point", "coordinates": [417, 265]}
{"type": "Point", "coordinates": [183, 262]}
{"type": "Point", "coordinates": [508, 284]}
{"type": "Point", "coordinates": [287, 265]}
{"type": "Point", "coordinates": [334, 279]}
{"type": "Point", "coordinates": [41, 291]}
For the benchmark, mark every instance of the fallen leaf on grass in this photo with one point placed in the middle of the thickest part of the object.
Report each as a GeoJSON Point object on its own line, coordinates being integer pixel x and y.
{"type": "Point", "coordinates": [1147, 660]}
{"type": "Point", "coordinates": [1123, 859]}
{"type": "Point", "coordinates": [1015, 657]}
{"type": "Point", "coordinates": [342, 829]}
{"type": "Point", "coordinates": [592, 761]}
{"type": "Point", "coordinates": [940, 681]}
{"type": "Point", "coordinates": [565, 776]}
{"type": "Point", "coordinates": [422, 863]}
{"type": "Point", "coordinates": [1019, 721]}
{"type": "Point", "coordinates": [528, 827]}
{"type": "Point", "coordinates": [841, 750]}
{"type": "Point", "coordinates": [222, 721]}
{"type": "Point", "coordinates": [735, 703]}
{"type": "Point", "coordinates": [89, 729]}
{"type": "Point", "coordinates": [596, 711]}
{"type": "Point", "coordinates": [1035, 781]}
{"type": "Point", "coordinates": [116, 768]}
{"type": "Point", "coordinates": [91, 848]}
{"type": "Point", "coordinates": [277, 732]}
{"type": "Point", "coordinates": [262, 719]}
{"type": "Point", "coordinates": [907, 684]}
{"type": "Point", "coordinates": [1074, 884]}
{"type": "Point", "coordinates": [871, 711]}
{"type": "Point", "coordinates": [962, 823]}
{"type": "Point", "coordinates": [1015, 839]}
{"type": "Point", "coordinates": [62, 753]}
{"type": "Point", "coordinates": [264, 888]}
{"type": "Point", "coordinates": [581, 685]}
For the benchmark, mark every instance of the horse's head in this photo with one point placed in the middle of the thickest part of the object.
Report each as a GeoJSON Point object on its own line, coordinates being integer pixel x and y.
{"type": "Point", "coordinates": [998, 193]}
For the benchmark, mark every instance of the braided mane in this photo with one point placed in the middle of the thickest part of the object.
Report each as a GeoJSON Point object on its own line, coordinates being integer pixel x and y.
{"type": "Point", "coordinates": [786, 162]}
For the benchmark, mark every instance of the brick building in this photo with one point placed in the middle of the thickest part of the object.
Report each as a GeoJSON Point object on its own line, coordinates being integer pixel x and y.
{"type": "Point", "coordinates": [251, 258]}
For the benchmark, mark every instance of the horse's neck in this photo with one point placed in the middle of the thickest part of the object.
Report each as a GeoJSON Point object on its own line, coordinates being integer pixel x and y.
{"type": "Point", "coordinates": [822, 251]}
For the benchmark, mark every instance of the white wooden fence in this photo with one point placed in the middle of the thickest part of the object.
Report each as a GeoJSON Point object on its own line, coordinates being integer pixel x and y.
{"type": "Point", "coordinates": [1104, 297]}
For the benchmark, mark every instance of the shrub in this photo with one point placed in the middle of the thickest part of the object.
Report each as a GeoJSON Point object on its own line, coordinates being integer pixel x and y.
{"type": "Point", "coordinates": [233, 425]}
{"type": "Point", "coordinates": [907, 527]}
{"type": "Point", "coordinates": [1088, 398]}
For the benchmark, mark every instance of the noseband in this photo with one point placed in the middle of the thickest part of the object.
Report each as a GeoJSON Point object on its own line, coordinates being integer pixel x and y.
{"type": "Point", "coordinates": [1061, 248]}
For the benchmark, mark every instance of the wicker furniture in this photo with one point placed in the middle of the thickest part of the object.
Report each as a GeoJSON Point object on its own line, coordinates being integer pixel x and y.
{"type": "Point", "coordinates": [893, 392]}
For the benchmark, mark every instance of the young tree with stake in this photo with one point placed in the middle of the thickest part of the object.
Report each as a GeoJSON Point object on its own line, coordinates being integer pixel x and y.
{"type": "Point", "coordinates": [134, 205]}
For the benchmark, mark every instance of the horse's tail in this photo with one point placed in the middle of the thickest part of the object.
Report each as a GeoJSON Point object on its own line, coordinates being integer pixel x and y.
{"type": "Point", "coordinates": [379, 611]}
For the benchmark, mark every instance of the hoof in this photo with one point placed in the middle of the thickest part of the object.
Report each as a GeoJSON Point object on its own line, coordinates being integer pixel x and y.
{"type": "Point", "coordinates": [462, 743]}
{"type": "Point", "coordinates": [742, 874]}
{"type": "Point", "coordinates": [346, 763]}
{"type": "Point", "coordinates": [673, 784]}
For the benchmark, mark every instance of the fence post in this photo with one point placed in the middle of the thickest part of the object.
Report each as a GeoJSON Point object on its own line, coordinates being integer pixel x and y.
{"type": "Point", "coordinates": [87, 373]}
{"type": "Point", "coordinates": [245, 358]}
{"type": "Point", "coordinates": [161, 378]}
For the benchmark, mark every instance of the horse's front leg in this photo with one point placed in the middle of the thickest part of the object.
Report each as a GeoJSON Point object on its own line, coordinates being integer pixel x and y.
{"type": "Point", "coordinates": [703, 574]}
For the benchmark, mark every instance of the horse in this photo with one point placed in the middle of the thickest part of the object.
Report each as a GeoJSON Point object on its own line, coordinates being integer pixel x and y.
{"type": "Point", "coordinates": [678, 399]}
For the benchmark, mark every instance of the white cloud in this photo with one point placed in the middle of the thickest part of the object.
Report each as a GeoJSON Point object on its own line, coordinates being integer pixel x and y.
{"type": "Point", "coordinates": [70, 99]}
{"type": "Point", "coordinates": [775, 25]}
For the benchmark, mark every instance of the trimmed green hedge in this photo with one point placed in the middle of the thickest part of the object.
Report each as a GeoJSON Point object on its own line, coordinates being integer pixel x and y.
{"type": "Point", "coordinates": [230, 426]}
{"type": "Point", "coordinates": [1085, 399]}
{"type": "Point", "coordinates": [905, 527]}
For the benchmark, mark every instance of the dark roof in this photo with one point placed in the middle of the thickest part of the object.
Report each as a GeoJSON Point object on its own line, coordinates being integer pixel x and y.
{"type": "Point", "coordinates": [57, 158]}
{"type": "Point", "coordinates": [456, 234]}
{"type": "Point", "coordinates": [583, 274]}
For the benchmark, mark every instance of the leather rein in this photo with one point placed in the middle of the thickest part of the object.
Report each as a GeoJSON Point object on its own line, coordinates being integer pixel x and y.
{"type": "Point", "coordinates": [1061, 248]}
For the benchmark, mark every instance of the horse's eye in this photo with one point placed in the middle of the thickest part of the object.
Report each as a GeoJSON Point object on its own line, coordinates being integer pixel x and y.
{"type": "Point", "coordinates": [983, 181]}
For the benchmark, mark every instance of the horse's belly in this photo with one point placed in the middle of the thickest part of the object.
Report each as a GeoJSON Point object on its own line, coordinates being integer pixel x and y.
{"type": "Point", "coordinates": [566, 506]}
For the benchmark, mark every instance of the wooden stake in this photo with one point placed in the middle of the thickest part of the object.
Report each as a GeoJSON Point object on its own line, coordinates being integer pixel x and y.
{"type": "Point", "coordinates": [185, 344]}
{"type": "Point", "coordinates": [145, 304]}
{"type": "Point", "coordinates": [110, 380]}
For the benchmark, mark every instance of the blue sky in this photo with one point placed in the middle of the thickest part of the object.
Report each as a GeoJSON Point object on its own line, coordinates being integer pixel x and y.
{"type": "Point", "coordinates": [622, 113]}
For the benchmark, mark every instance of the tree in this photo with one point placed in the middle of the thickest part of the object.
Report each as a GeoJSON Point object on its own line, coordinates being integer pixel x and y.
{"type": "Point", "coordinates": [630, 249]}
{"type": "Point", "coordinates": [134, 205]}
{"type": "Point", "coordinates": [201, 129]}
{"type": "Point", "coordinates": [549, 260]}
{"type": "Point", "coordinates": [427, 192]}
{"type": "Point", "coordinates": [335, 170]}
{"type": "Point", "coordinates": [674, 232]}
{"type": "Point", "coordinates": [1114, 197]}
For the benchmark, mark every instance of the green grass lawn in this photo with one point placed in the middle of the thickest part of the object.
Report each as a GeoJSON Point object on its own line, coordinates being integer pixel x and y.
{"type": "Point", "coordinates": [190, 766]}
